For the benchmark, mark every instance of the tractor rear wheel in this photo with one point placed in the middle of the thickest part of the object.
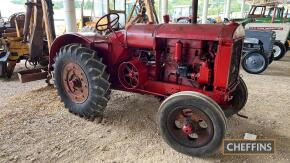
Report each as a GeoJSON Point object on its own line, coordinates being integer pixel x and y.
{"type": "Point", "coordinates": [279, 50]}
{"type": "Point", "coordinates": [3, 68]}
{"type": "Point", "coordinates": [192, 123]}
{"type": "Point", "coordinates": [271, 58]}
{"type": "Point", "coordinates": [287, 45]}
{"type": "Point", "coordinates": [255, 62]}
{"type": "Point", "coordinates": [240, 98]}
{"type": "Point", "coordinates": [82, 81]}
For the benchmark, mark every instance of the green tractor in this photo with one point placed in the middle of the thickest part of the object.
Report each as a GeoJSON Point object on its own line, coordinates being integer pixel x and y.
{"type": "Point", "coordinates": [264, 14]}
{"type": "Point", "coordinates": [268, 13]}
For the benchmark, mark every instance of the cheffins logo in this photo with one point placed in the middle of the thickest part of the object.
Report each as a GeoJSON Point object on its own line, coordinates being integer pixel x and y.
{"type": "Point", "coordinates": [248, 147]}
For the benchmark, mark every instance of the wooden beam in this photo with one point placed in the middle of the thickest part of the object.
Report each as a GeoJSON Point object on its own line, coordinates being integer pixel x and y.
{"type": "Point", "coordinates": [46, 24]}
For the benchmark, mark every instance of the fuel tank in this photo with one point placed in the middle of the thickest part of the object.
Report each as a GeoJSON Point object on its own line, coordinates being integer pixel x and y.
{"type": "Point", "coordinates": [143, 36]}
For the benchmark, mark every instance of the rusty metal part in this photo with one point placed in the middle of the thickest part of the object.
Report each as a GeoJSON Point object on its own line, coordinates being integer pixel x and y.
{"type": "Point", "coordinates": [27, 21]}
{"type": "Point", "coordinates": [32, 75]}
{"type": "Point", "coordinates": [132, 74]}
{"type": "Point", "coordinates": [190, 126]}
{"type": "Point", "coordinates": [50, 18]}
{"type": "Point", "coordinates": [12, 18]}
{"type": "Point", "coordinates": [75, 83]}
{"type": "Point", "coordinates": [36, 41]}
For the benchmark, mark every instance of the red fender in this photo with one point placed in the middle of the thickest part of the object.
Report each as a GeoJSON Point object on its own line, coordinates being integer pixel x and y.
{"type": "Point", "coordinates": [65, 40]}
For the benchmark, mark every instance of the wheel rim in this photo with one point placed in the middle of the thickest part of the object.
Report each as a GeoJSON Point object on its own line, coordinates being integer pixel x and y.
{"type": "Point", "coordinates": [190, 127]}
{"type": "Point", "coordinates": [129, 75]}
{"type": "Point", "coordinates": [255, 62]}
{"type": "Point", "coordinates": [276, 50]}
{"type": "Point", "coordinates": [75, 83]}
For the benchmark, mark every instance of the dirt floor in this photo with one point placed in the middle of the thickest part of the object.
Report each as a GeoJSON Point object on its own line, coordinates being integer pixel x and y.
{"type": "Point", "coordinates": [35, 126]}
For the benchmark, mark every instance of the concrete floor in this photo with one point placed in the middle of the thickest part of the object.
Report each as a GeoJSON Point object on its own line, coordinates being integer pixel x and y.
{"type": "Point", "coordinates": [35, 127]}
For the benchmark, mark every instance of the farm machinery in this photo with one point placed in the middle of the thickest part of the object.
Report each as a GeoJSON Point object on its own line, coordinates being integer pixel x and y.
{"type": "Point", "coordinates": [194, 69]}
{"type": "Point", "coordinates": [270, 17]}
{"type": "Point", "coordinates": [130, 12]}
{"type": "Point", "coordinates": [11, 38]}
{"type": "Point", "coordinates": [27, 36]}
{"type": "Point", "coordinates": [258, 50]}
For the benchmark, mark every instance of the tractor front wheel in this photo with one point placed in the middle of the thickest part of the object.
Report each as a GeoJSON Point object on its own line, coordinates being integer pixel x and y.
{"type": "Point", "coordinates": [82, 81]}
{"type": "Point", "coordinates": [255, 62]}
{"type": "Point", "coordinates": [279, 50]}
{"type": "Point", "coordinates": [192, 123]}
{"type": "Point", "coordinates": [240, 97]}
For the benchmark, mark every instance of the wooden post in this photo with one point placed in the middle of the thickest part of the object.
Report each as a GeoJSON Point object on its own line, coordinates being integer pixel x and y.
{"type": "Point", "coordinates": [131, 12]}
{"type": "Point", "coordinates": [46, 24]}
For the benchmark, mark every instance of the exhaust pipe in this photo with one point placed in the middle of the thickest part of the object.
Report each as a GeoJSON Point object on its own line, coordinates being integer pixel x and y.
{"type": "Point", "coordinates": [194, 11]}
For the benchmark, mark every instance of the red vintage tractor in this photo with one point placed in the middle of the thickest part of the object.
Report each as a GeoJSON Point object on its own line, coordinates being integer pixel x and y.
{"type": "Point", "coordinates": [195, 68]}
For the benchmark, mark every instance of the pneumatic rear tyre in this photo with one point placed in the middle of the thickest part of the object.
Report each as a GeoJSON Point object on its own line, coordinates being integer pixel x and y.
{"type": "Point", "coordinates": [287, 45]}
{"type": "Point", "coordinates": [82, 81]}
{"type": "Point", "coordinates": [271, 58]}
{"type": "Point", "coordinates": [3, 67]}
{"type": "Point", "coordinates": [192, 123]}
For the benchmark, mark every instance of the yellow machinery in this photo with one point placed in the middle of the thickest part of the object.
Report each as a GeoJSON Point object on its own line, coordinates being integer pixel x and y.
{"type": "Point", "coordinates": [23, 38]}
{"type": "Point", "coordinates": [130, 11]}
{"type": "Point", "coordinates": [12, 48]}
{"type": "Point", "coordinates": [27, 36]}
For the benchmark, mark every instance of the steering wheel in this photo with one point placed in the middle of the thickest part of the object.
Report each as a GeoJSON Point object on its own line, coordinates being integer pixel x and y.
{"type": "Point", "coordinates": [100, 26]}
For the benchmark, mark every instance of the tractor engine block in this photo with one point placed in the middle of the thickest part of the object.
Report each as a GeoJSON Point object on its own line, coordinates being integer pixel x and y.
{"type": "Point", "coordinates": [189, 62]}
{"type": "Point", "coordinates": [183, 62]}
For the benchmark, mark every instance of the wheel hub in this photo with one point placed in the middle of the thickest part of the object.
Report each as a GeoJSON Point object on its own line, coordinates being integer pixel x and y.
{"type": "Point", "coordinates": [192, 127]}
{"type": "Point", "coordinates": [255, 62]}
{"type": "Point", "coordinates": [187, 128]}
{"type": "Point", "coordinates": [75, 83]}
{"type": "Point", "coordinates": [276, 50]}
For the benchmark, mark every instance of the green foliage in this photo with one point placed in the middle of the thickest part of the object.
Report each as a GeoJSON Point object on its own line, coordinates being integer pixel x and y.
{"type": "Point", "coordinates": [18, 1]}
{"type": "Point", "coordinates": [58, 4]}
{"type": "Point", "coordinates": [215, 6]}
{"type": "Point", "coordinates": [88, 4]}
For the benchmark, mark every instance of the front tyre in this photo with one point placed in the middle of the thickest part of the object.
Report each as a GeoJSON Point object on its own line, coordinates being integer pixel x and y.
{"type": "Point", "coordinates": [192, 123]}
{"type": "Point", "coordinates": [255, 62]}
{"type": "Point", "coordinates": [239, 100]}
{"type": "Point", "coordinates": [82, 81]}
{"type": "Point", "coordinates": [279, 50]}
